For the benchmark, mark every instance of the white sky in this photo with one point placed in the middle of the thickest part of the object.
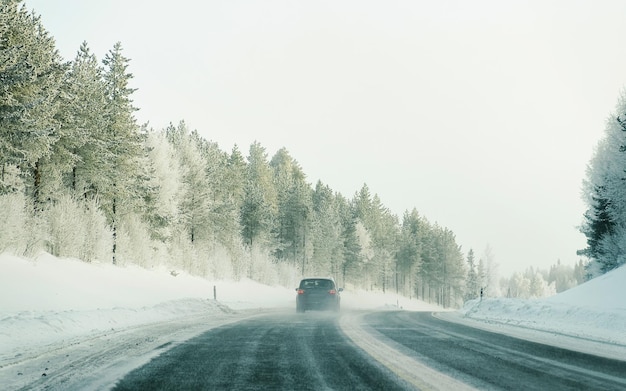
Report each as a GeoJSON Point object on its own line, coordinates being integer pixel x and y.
{"type": "Point", "coordinates": [482, 115]}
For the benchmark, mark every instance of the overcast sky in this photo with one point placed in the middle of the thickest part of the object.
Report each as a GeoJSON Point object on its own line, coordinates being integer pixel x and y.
{"type": "Point", "coordinates": [480, 114]}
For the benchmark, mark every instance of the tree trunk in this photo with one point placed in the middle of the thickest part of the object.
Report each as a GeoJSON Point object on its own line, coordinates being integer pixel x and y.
{"type": "Point", "coordinates": [74, 180]}
{"type": "Point", "coordinates": [114, 232]}
{"type": "Point", "coordinates": [36, 186]}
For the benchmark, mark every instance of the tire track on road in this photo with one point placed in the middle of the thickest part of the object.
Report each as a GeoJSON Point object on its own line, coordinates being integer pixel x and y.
{"type": "Point", "coordinates": [389, 354]}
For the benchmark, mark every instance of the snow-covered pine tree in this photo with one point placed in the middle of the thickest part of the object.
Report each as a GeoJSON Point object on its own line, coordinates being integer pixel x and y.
{"type": "Point", "coordinates": [409, 252]}
{"type": "Point", "coordinates": [233, 189]}
{"type": "Point", "coordinates": [84, 114]}
{"type": "Point", "coordinates": [488, 272]}
{"type": "Point", "coordinates": [604, 191]}
{"type": "Point", "coordinates": [352, 256]}
{"type": "Point", "coordinates": [79, 151]}
{"type": "Point", "coordinates": [223, 217]}
{"type": "Point", "coordinates": [294, 209]}
{"type": "Point", "coordinates": [386, 237]}
{"type": "Point", "coordinates": [473, 285]}
{"type": "Point", "coordinates": [259, 209]}
{"type": "Point", "coordinates": [165, 178]}
{"type": "Point", "coordinates": [235, 179]}
{"type": "Point", "coordinates": [194, 197]}
{"type": "Point", "coordinates": [31, 73]}
{"type": "Point", "coordinates": [118, 179]}
{"type": "Point", "coordinates": [325, 235]}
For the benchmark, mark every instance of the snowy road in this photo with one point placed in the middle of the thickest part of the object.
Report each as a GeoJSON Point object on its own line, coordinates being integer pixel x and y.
{"type": "Point", "coordinates": [282, 350]}
{"type": "Point", "coordinates": [487, 360]}
{"type": "Point", "coordinates": [377, 350]}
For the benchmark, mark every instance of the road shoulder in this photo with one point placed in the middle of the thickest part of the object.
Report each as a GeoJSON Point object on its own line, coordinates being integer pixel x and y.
{"type": "Point", "coordinates": [558, 339]}
{"type": "Point", "coordinates": [97, 360]}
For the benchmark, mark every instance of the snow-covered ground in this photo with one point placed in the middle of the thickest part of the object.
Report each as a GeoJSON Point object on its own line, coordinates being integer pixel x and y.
{"type": "Point", "coordinates": [55, 314]}
{"type": "Point", "coordinates": [590, 317]}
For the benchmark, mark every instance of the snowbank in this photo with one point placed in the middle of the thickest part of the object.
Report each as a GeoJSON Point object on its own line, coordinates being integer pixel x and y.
{"type": "Point", "coordinates": [52, 284]}
{"type": "Point", "coordinates": [48, 301]}
{"type": "Point", "coordinates": [593, 311]}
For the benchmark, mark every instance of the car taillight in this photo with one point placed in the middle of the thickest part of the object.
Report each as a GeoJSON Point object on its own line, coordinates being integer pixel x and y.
{"type": "Point", "coordinates": [332, 292]}
{"type": "Point", "coordinates": [300, 291]}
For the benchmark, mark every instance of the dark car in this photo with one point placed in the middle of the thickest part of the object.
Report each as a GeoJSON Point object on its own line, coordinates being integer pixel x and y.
{"type": "Point", "coordinates": [318, 294]}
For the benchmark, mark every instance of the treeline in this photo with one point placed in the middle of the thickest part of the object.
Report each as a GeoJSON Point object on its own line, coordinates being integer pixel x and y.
{"type": "Point", "coordinates": [536, 283]}
{"type": "Point", "coordinates": [80, 178]}
{"type": "Point", "coordinates": [604, 192]}
{"type": "Point", "coordinates": [531, 283]}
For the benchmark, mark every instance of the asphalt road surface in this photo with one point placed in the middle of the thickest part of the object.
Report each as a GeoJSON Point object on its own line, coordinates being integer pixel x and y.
{"type": "Point", "coordinates": [368, 351]}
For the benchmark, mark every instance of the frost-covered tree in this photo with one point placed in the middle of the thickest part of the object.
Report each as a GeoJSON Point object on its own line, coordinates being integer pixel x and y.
{"type": "Point", "coordinates": [363, 209]}
{"type": "Point", "coordinates": [409, 252]}
{"type": "Point", "coordinates": [259, 208]}
{"type": "Point", "coordinates": [234, 179]}
{"type": "Point", "coordinates": [533, 283]}
{"type": "Point", "coordinates": [473, 282]}
{"type": "Point", "coordinates": [294, 208]}
{"type": "Point", "coordinates": [233, 186]}
{"type": "Point", "coordinates": [518, 286]}
{"type": "Point", "coordinates": [31, 73]}
{"type": "Point", "coordinates": [326, 229]}
{"type": "Point", "coordinates": [224, 181]}
{"type": "Point", "coordinates": [194, 194]}
{"type": "Point", "coordinates": [565, 277]}
{"type": "Point", "coordinates": [604, 192]}
{"type": "Point", "coordinates": [378, 239]}
{"type": "Point", "coordinates": [80, 111]}
{"type": "Point", "coordinates": [83, 114]}
{"type": "Point", "coordinates": [488, 273]}
{"type": "Point", "coordinates": [448, 272]}
{"type": "Point", "coordinates": [386, 235]}
{"type": "Point", "coordinates": [441, 277]}
{"type": "Point", "coordinates": [13, 214]}
{"type": "Point", "coordinates": [118, 183]}
{"type": "Point", "coordinates": [352, 251]}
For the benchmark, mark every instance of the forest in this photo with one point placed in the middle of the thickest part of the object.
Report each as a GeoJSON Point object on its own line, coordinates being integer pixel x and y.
{"type": "Point", "coordinates": [79, 177]}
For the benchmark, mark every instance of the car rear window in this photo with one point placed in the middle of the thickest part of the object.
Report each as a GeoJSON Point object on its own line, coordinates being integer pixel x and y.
{"type": "Point", "coordinates": [316, 284]}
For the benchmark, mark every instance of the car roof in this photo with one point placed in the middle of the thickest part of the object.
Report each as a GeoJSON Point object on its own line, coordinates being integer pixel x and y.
{"type": "Point", "coordinates": [318, 278]}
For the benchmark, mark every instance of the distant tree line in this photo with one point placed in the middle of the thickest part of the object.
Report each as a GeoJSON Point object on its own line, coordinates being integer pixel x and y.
{"type": "Point", "coordinates": [536, 283]}
{"type": "Point", "coordinates": [79, 177]}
